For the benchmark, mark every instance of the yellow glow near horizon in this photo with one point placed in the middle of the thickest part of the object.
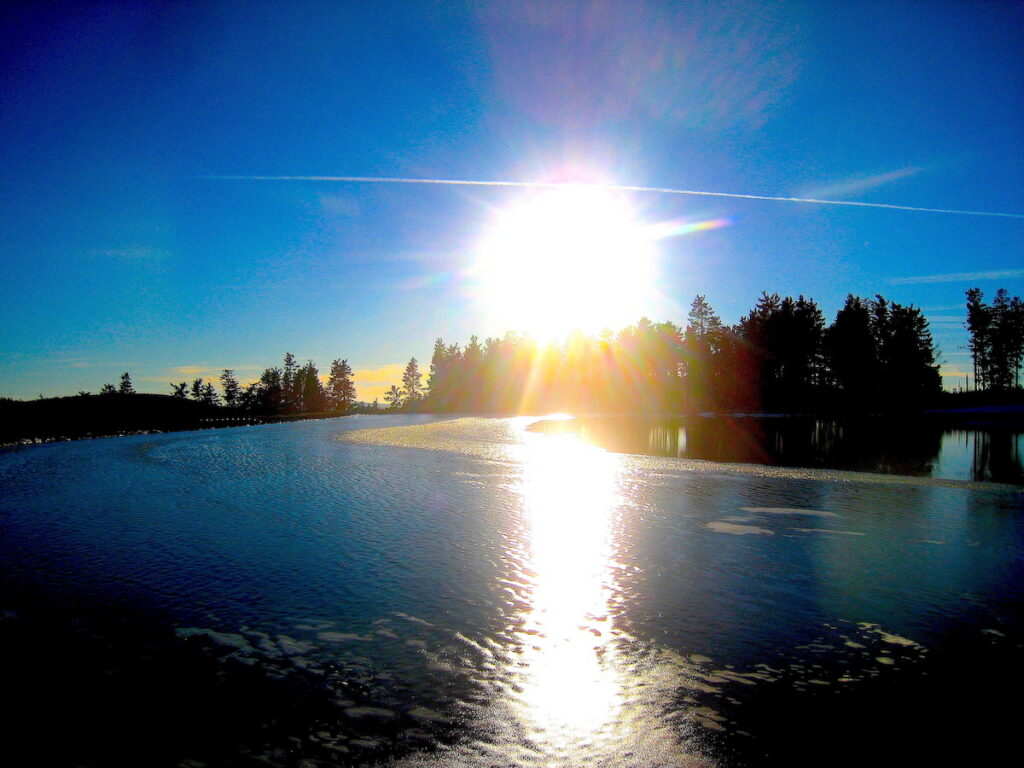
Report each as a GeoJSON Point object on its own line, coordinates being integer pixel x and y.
{"type": "Point", "coordinates": [566, 259]}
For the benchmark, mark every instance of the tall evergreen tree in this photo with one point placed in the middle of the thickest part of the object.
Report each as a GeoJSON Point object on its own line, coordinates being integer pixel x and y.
{"type": "Point", "coordinates": [702, 348]}
{"type": "Point", "coordinates": [126, 387]}
{"type": "Point", "coordinates": [341, 392]}
{"type": "Point", "coordinates": [802, 352]}
{"type": "Point", "coordinates": [197, 389]}
{"type": "Point", "coordinates": [442, 379]}
{"type": "Point", "coordinates": [760, 333]}
{"type": "Point", "coordinates": [312, 397]}
{"type": "Point", "coordinates": [997, 339]}
{"type": "Point", "coordinates": [291, 384]}
{"type": "Point", "coordinates": [209, 394]}
{"type": "Point", "coordinates": [393, 397]}
{"type": "Point", "coordinates": [232, 389]}
{"type": "Point", "coordinates": [249, 397]}
{"type": "Point", "coordinates": [853, 354]}
{"type": "Point", "coordinates": [271, 394]}
{"type": "Point", "coordinates": [412, 383]}
{"type": "Point", "coordinates": [1007, 339]}
{"type": "Point", "coordinates": [907, 355]}
{"type": "Point", "coordinates": [979, 325]}
{"type": "Point", "coordinates": [469, 373]}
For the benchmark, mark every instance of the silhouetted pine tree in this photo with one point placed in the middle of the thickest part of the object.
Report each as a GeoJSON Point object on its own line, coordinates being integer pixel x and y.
{"type": "Point", "coordinates": [979, 325]}
{"type": "Point", "coordinates": [341, 392]}
{"type": "Point", "coordinates": [232, 389]}
{"type": "Point", "coordinates": [271, 395]}
{"type": "Point", "coordinates": [312, 396]}
{"type": "Point", "coordinates": [126, 387]}
{"type": "Point", "coordinates": [393, 397]}
{"type": "Point", "coordinates": [906, 354]}
{"type": "Point", "coordinates": [209, 394]}
{"type": "Point", "coordinates": [412, 383]}
{"type": "Point", "coordinates": [853, 355]}
{"type": "Point", "coordinates": [702, 350]}
{"type": "Point", "coordinates": [291, 384]}
{"type": "Point", "coordinates": [442, 379]}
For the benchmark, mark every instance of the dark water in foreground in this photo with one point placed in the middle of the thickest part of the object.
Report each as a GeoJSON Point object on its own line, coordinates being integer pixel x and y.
{"type": "Point", "coordinates": [468, 592]}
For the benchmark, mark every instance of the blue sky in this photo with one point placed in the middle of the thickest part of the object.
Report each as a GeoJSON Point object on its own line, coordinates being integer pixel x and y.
{"type": "Point", "coordinates": [122, 251]}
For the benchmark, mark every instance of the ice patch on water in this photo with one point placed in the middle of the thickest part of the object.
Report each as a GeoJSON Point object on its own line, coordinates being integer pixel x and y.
{"type": "Point", "coordinates": [226, 639]}
{"type": "Point", "coordinates": [293, 647]}
{"type": "Point", "coordinates": [341, 637]}
{"type": "Point", "coordinates": [738, 530]}
{"type": "Point", "coordinates": [829, 530]}
{"type": "Point", "coordinates": [789, 511]}
{"type": "Point", "coordinates": [888, 637]}
{"type": "Point", "coordinates": [504, 439]}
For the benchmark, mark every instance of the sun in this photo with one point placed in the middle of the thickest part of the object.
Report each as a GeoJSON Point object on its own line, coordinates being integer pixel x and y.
{"type": "Point", "coordinates": [566, 258]}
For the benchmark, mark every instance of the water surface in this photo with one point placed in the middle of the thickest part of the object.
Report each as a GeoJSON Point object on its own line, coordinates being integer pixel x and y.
{"type": "Point", "coordinates": [470, 592]}
{"type": "Point", "coordinates": [920, 447]}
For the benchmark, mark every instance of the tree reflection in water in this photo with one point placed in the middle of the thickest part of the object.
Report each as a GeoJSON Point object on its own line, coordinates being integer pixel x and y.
{"type": "Point", "coordinates": [921, 447]}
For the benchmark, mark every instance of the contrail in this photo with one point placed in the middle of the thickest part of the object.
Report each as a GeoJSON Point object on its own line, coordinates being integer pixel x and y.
{"type": "Point", "coordinates": [611, 187]}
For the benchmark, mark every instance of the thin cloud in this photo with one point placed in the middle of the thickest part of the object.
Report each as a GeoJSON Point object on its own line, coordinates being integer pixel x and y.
{"type": "Point", "coordinates": [948, 373]}
{"type": "Point", "coordinates": [381, 375]}
{"type": "Point", "coordinates": [860, 184]}
{"type": "Point", "coordinates": [959, 277]}
{"type": "Point", "coordinates": [372, 383]}
{"type": "Point", "coordinates": [611, 187]}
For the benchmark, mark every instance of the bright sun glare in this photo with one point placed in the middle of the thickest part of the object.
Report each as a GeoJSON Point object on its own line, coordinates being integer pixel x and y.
{"type": "Point", "coordinates": [565, 259]}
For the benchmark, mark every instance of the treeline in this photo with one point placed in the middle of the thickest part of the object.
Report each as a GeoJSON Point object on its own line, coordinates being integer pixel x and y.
{"type": "Point", "coordinates": [997, 339]}
{"type": "Point", "coordinates": [289, 389]}
{"type": "Point", "coordinates": [781, 356]}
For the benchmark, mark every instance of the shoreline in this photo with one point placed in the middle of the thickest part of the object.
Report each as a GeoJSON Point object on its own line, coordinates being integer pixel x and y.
{"type": "Point", "coordinates": [1008, 416]}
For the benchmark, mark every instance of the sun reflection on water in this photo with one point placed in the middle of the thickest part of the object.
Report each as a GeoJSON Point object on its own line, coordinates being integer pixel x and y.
{"type": "Point", "coordinates": [569, 689]}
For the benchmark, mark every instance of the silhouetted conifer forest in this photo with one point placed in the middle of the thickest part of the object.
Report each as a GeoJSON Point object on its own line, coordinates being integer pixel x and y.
{"type": "Point", "coordinates": [782, 357]}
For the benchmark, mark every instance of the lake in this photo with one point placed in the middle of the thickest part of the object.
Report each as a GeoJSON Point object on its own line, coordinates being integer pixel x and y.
{"type": "Point", "coordinates": [415, 590]}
